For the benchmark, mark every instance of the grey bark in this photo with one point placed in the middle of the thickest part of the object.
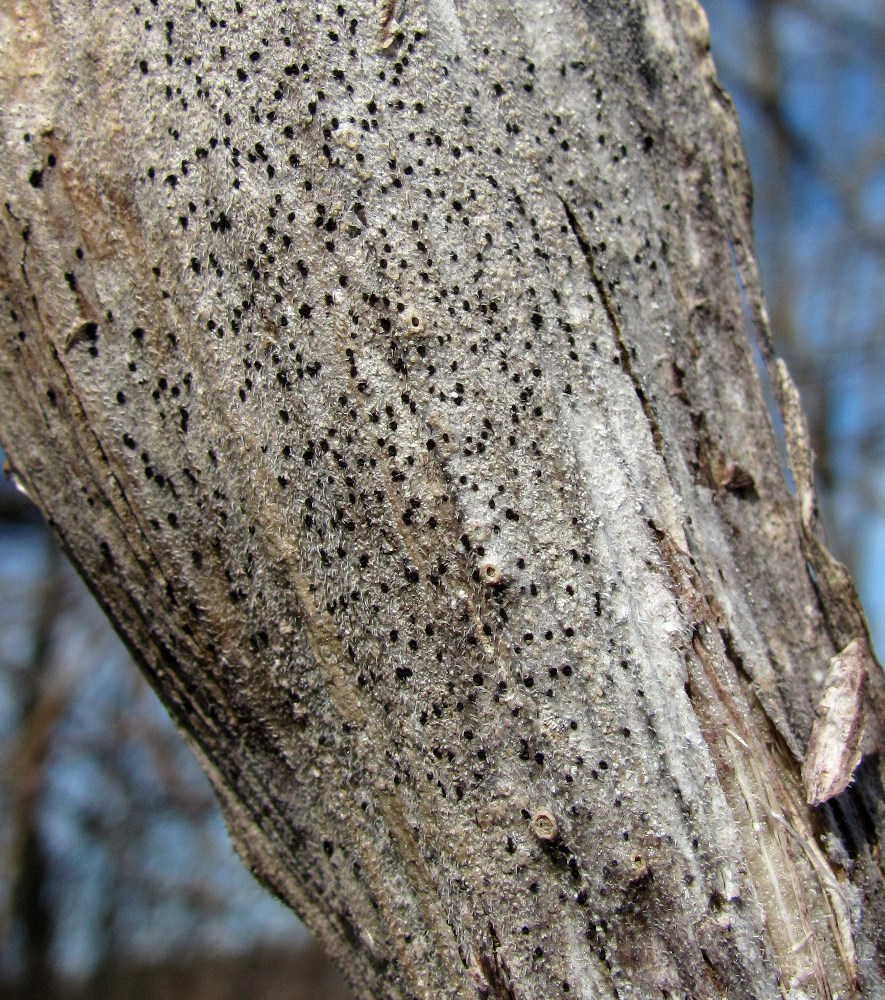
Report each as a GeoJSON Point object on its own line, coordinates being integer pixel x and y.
{"type": "Point", "coordinates": [386, 368]}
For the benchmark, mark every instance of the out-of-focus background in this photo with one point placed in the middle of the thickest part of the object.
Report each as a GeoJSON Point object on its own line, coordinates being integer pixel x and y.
{"type": "Point", "coordinates": [116, 876]}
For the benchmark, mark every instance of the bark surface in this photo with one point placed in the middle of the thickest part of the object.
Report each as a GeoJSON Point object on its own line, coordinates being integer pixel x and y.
{"type": "Point", "coordinates": [390, 372]}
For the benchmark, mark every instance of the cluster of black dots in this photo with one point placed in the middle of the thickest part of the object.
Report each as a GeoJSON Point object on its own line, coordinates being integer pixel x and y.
{"type": "Point", "coordinates": [264, 132]}
{"type": "Point", "coordinates": [360, 441]}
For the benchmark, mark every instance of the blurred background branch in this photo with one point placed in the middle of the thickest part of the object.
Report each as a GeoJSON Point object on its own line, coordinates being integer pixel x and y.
{"type": "Point", "coordinates": [116, 876]}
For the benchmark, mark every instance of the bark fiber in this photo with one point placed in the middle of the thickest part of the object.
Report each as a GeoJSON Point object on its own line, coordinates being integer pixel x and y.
{"type": "Point", "coordinates": [395, 374]}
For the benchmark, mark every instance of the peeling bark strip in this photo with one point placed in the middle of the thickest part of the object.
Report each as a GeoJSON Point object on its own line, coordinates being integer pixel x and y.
{"type": "Point", "coordinates": [383, 367]}
{"type": "Point", "coordinates": [834, 746]}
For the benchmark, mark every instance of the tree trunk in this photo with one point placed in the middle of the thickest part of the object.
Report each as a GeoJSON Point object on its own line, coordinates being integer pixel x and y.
{"type": "Point", "coordinates": [388, 371]}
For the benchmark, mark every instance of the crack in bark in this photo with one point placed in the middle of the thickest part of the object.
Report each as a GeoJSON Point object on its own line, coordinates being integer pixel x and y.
{"type": "Point", "coordinates": [611, 312]}
{"type": "Point", "coordinates": [770, 806]}
{"type": "Point", "coordinates": [83, 421]}
{"type": "Point", "coordinates": [497, 976]}
{"type": "Point", "coordinates": [740, 752]}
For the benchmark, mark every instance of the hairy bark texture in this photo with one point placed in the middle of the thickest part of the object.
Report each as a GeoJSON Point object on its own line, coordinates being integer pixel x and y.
{"type": "Point", "coordinates": [387, 369]}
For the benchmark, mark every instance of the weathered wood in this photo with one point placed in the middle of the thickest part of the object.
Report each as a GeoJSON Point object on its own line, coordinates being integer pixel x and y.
{"type": "Point", "coordinates": [388, 371]}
